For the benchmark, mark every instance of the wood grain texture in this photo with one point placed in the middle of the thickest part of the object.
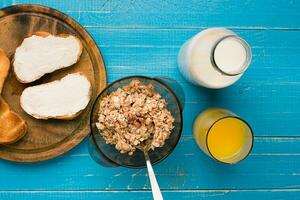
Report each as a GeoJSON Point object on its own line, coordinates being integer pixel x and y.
{"type": "Point", "coordinates": [180, 14]}
{"type": "Point", "coordinates": [46, 139]}
{"type": "Point", "coordinates": [273, 163]}
{"type": "Point", "coordinates": [146, 195]}
{"type": "Point", "coordinates": [143, 37]}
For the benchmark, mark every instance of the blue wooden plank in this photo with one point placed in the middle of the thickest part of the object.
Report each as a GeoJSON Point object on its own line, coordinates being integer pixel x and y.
{"type": "Point", "coordinates": [144, 195]}
{"type": "Point", "coordinates": [274, 163]}
{"type": "Point", "coordinates": [169, 13]}
{"type": "Point", "coordinates": [4, 3]}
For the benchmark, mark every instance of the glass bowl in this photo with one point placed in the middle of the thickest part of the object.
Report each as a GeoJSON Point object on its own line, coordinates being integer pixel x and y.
{"type": "Point", "coordinates": [107, 155]}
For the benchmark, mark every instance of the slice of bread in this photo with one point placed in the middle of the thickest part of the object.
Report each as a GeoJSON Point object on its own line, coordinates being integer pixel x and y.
{"type": "Point", "coordinates": [43, 53]}
{"type": "Point", "coordinates": [12, 126]}
{"type": "Point", "coordinates": [4, 68]}
{"type": "Point", "coordinates": [61, 99]}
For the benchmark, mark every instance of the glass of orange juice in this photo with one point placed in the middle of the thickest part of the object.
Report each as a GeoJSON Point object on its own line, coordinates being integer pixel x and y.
{"type": "Point", "coordinates": [223, 135]}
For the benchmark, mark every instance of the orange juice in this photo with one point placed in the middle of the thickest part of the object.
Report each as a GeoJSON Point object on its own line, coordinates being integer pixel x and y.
{"type": "Point", "coordinates": [226, 138]}
{"type": "Point", "coordinates": [222, 135]}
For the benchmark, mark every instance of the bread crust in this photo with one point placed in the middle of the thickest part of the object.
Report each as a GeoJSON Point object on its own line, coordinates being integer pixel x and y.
{"type": "Point", "coordinates": [64, 117]}
{"type": "Point", "coordinates": [12, 126]}
{"type": "Point", "coordinates": [4, 68]}
{"type": "Point", "coordinates": [45, 34]}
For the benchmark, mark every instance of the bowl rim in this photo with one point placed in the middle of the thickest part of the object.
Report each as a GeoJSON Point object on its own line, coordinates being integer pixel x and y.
{"type": "Point", "coordinates": [140, 77]}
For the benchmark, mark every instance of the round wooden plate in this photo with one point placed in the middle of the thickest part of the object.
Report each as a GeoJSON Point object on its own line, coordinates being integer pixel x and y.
{"type": "Point", "coordinates": [47, 139]}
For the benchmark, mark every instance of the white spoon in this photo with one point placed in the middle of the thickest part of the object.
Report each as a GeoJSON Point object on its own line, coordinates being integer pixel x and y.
{"type": "Point", "coordinates": [154, 185]}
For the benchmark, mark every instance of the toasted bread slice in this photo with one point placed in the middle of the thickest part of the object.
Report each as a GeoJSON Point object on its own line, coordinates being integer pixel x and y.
{"type": "Point", "coordinates": [61, 99]}
{"type": "Point", "coordinates": [12, 126]}
{"type": "Point", "coordinates": [4, 68]}
{"type": "Point", "coordinates": [43, 53]}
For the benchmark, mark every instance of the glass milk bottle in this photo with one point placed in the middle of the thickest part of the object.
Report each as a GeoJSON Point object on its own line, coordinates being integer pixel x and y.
{"type": "Point", "coordinates": [214, 58]}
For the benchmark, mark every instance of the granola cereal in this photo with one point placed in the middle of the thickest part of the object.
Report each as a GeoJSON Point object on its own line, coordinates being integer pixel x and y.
{"type": "Point", "coordinates": [133, 114]}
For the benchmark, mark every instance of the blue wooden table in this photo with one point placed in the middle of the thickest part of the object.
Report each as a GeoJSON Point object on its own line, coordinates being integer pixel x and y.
{"type": "Point", "coordinates": [143, 37]}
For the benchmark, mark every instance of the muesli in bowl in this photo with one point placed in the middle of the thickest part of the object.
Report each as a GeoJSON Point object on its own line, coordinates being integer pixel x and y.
{"type": "Point", "coordinates": [131, 112]}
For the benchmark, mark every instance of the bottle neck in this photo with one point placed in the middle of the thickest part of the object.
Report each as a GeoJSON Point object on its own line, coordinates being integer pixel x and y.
{"type": "Point", "coordinates": [226, 51]}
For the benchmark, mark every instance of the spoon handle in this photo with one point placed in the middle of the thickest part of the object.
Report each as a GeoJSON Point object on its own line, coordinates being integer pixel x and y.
{"type": "Point", "coordinates": [154, 185]}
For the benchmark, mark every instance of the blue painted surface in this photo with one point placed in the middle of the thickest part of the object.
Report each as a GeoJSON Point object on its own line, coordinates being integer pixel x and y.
{"type": "Point", "coordinates": [143, 37]}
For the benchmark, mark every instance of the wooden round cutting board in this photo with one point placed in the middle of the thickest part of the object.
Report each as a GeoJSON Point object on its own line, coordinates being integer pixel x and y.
{"type": "Point", "coordinates": [47, 139]}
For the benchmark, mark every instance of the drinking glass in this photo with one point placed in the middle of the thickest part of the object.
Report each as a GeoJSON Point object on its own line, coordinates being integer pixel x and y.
{"type": "Point", "coordinates": [223, 135]}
